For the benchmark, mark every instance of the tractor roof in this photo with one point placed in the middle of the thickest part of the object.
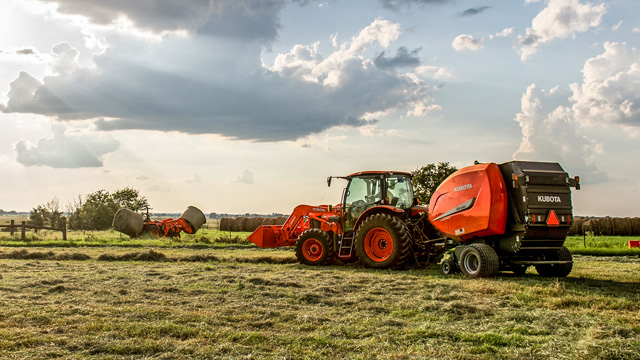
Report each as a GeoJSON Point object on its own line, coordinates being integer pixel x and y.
{"type": "Point", "coordinates": [364, 173]}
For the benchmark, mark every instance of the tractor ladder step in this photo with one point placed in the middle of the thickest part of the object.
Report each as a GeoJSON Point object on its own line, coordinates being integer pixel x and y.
{"type": "Point", "coordinates": [346, 247]}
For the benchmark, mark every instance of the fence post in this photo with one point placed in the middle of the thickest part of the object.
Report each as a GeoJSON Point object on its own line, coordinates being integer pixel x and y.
{"type": "Point", "coordinates": [64, 228]}
{"type": "Point", "coordinates": [24, 223]}
{"type": "Point", "coordinates": [12, 225]}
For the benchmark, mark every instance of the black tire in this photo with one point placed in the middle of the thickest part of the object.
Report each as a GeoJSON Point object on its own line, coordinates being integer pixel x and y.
{"type": "Point", "coordinates": [152, 230]}
{"type": "Point", "coordinates": [314, 248]}
{"type": "Point", "coordinates": [557, 270]}
{"type": "Point", "coordinates": [383, 241]}
{"type": "Point", "coordinates": [448, 267]}
{"type": "Point", "coordinates": [479, 261]}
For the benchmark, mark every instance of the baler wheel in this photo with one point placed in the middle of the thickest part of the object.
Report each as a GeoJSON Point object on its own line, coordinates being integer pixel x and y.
{"type": "Point", "coordinates": [448, 266]}
{"type": "Point", "coordinates": [382, 241]}
{"type": "Point", "coordinates": [313, 248]}
{"type": "Point", "coordinates": [479, 260]}
{"type": "Point", "coordinates": [557, 270]}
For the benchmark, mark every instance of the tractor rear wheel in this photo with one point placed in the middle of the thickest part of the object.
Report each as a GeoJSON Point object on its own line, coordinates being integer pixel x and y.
{"type": "Point", "coordinates": [382, 241]}
{"type": "Point", "coordinates": [313, 248]}
{"type": "Point", "coordinates": [557, 270]}
{"type": "Point", "coordinates": [479, 260]}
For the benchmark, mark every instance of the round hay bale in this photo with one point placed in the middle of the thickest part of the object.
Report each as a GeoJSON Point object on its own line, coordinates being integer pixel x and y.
{"type": "Point", "coordinates": [588, 226]}
{"type": "Point", "coordinates": [280, 220]}
{"type": "Point", "coordinates": [226, 224]}
{"type": "Point", "coordinates": [576, 227]}
{"type": "Point", "coordinates": [238, 224]}
{"type": "Point", "coordinates": [195, 217]}
{"type": "Point", "coordinates": [253, 223]}
{"type": "Point", "coordinates": [635, 226]}
{"type": "Point", "coordinates": [128, 222]}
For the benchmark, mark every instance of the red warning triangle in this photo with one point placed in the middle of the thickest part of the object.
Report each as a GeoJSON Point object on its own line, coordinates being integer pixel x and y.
{"type": "Point", "coordinates": [552, 219]}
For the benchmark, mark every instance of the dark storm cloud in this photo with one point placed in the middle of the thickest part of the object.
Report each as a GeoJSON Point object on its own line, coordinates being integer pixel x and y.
{"type": "Point", "coordinates": [244, 101]}
{"type": "Point", "coordinates": [403, 58]}
{"type": "Point", "coordinates": [397, 5]}
{"type": "Point", "coordinates": [253, 19]}
{"type": "Point", "coordinates": [153, 15]}
{"type": "Point", "coordinates": [474, 11]}
{"type": "Point", "coordinates": [216, 84]}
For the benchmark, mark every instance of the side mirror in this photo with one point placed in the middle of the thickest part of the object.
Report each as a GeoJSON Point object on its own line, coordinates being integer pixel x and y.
{"type": "Point", "coordinates": [329, 181]}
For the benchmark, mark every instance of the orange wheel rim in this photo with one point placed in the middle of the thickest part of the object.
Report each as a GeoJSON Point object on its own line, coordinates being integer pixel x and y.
{"type": "Point", "coordinates": [378, 244]}
{"type": "Point", "coordinates": [312, 250]}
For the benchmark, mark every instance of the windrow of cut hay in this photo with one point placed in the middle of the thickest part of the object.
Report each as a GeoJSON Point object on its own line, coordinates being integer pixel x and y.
{"type": "Point", "coordinates": [249, 224]}
{"type": "Point", "coordinates": [606, 226]}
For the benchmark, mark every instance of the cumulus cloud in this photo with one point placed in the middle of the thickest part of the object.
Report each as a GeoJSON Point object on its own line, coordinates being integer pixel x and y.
{"type": "Point", "coordinates": [203, 84]}
{"type": "Point", "coordinates": [474, 11]}
{"type": "Point", "coordinates": [559, 19]}
{"type": "Point", "coordinates": [67, 150]}
{"type": "Point", "coordinates": [403, 58]}
{"type": "Point", "coordinates": [550, 134]}
{"type": "Point", "coordinates": [504, 33]}
{"type": "Point", "coordinates": [466, 42]}
{"type": "Point", "coordinates": [610, 91]}
{"type": "Point", "coordinates": [65, 60]}
{"type": "Point", "coordinates": [245, 178]}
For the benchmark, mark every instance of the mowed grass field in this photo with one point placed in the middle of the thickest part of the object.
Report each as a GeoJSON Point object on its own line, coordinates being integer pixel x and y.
{"type": "Point", "coordinates": [240, 302]}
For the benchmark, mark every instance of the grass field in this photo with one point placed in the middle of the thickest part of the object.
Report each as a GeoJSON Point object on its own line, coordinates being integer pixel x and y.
{"type": "Point", "coordinates": [179, 303]}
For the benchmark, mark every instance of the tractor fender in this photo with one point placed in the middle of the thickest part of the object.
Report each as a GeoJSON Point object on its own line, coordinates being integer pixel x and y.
{"type": "Point", "coordinates": [382, 209]}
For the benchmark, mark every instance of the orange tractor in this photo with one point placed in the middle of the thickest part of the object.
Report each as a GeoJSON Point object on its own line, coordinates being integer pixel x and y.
{"type": "Point", "coordinates": [494, 216]}
{"type": "Point", "coordinates": [133, 224]}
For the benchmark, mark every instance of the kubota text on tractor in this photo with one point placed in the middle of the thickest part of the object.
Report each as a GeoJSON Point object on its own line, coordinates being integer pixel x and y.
{"type": "Point", "coordinates": [495, 217]}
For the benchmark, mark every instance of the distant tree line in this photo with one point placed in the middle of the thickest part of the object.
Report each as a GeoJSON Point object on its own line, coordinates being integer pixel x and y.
{"type": "Point", "coordinates": [94, 212]}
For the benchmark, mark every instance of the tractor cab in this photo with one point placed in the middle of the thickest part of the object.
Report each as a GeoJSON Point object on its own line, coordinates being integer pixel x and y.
{"type": "Point", "coordinates": [369, 189]}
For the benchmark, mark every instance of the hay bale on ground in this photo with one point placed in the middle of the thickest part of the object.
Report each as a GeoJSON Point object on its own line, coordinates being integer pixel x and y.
{"type": "Point", "coordinates": [238, 224]}
{"type": "Point", "coordinates": [226, 224]}
{"type": "Point", "coordinates": [280, 220]}
{"type": "Point", "coordinates": [253, 223]}
{"type": "Point", "coordinates": [576, 227]}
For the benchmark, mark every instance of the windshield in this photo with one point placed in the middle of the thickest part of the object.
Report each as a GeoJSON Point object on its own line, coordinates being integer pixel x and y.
{"type": "Point", "coordinates": [399, 191]}
{"type": "Point", "coordinates": [362, 193]}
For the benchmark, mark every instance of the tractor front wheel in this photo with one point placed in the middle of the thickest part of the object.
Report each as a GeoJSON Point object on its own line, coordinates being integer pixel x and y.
{"type": "Point", "coordinates": [382, 241]}
{"type": "Point", "coordinates": [312, 248]}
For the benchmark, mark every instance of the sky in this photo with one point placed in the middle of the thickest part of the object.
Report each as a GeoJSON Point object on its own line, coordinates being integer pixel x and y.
{"type": "Point", "coordinates": [239, 106]}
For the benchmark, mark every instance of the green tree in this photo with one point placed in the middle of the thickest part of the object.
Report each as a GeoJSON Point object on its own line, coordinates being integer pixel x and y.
{"type": "Point", "coordinates": [96, 211]}
{"type": "Point", "coordinates": [47, 215]}
{"type": "Point", "coordinates": [130, 198]}
{"type": "Point", "coordinates": [426, 179]}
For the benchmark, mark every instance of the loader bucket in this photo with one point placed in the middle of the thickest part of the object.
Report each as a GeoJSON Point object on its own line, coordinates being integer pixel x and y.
{"type": "Point", "coordinates": [265, 236]}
